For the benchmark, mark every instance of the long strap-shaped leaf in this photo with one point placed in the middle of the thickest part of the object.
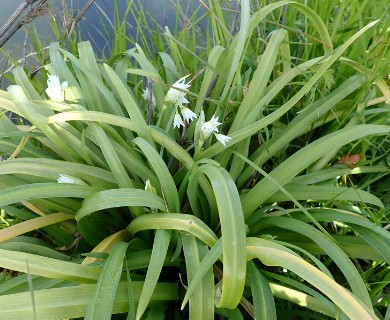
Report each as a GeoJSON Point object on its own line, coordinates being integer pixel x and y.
{"type": "Point", "coordinates": [273, 256]}
{"type": "Point", "coordinates": [238, 48]}
{"type": "Point", "coordinates": [130, 104]}
{"type": "Point", "coordinates": [47, 267]}
{"type": "Point", "coordinates": [302, 192]}
{"type": "Point", "coordinates": [115, 198]}
{"type": "Point", "coordinates": [122, 178]}
{"type": "Point", "coordinates": [44, 190]}
{"type": "Point", "coordinates": [159, 252]}
{"type": "Point", "coordinates": [167, 184]}
{"type": "Point", "coordinates": [202, 301]}
{"type": "Point", "coordinates": [102, 303]}
{"type": "Point", "coordinates": [72, 302]}
{"type": "Point", "coordinates": [33, 224]}
{"type": "Point", "coordinates": [301, 123]}
{"type": "Point", "coordinates": [331, 249]}
{"type": "Point", "coordinates": [159, 136]}
{"type": "Point", "coordinates": [260, 80]}
{"type": "Point", "coordinates": [174, 221]}
{"type": "Point", "coordinates": [263, 301]}
{"type": "Point", "coordinates": [300, 160]}
{"type": "Point", "coordinates": [301, 93]}
{"type": "Point", "coordinates": [37, 115]}
{"type": "Point", "coordinates": [207, 262]}
{"type": "Point", "coordinates": [51, 168]}
{"type": "Point", "coordinates": [233, 235]}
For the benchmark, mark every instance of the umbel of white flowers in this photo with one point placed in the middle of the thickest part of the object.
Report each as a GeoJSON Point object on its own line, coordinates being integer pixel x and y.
{"type": "Point", "coordinates": [206, 128]}
{"type": "Point", "coordinates": [178, 97]}
{"type": "Point", "coordinates": [56, 90]}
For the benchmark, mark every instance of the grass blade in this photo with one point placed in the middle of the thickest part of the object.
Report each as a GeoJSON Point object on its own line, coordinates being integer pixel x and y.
{"type": "Point", "coordinates": [233, 235]}
{"type": "Point", "coordinates": [271, 256]}
{"type": "Point", "coordinates": [174, 221]}
{"type": "Point", "coordinates": [263, 301]}
{"type": "Point", "coordinates": [159, 252]}
{"type": "Point", "coordinates": [102, 303]}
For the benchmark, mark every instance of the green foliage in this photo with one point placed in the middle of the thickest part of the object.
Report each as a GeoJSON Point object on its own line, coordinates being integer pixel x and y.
{"type": "Point", "coordinates": [270, 199]}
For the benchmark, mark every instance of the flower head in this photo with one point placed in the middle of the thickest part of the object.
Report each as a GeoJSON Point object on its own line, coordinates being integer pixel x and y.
{"type": "Point", "coordinates": [210, 126]}
{"type": "Point", "coordinates": [177, 121]}
{"type": "Point", "coordinates": [56, 90]}
{"type": "Point", "coordinates": [64, 178]}
{"type": "Point", "coordinates": [222, 138]}
{"type": "Point", "coordinates": [176, 96]}
{"type": "Point", "coordinates": [188, 114]}
{"type": "Point", "coordinates": [206, 128]}
{"type": "Point", "coordinates": [147, 94]}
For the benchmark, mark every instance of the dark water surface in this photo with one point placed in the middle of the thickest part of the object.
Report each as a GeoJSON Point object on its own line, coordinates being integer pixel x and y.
{"type": "Point", "coordinates": [90, 27]}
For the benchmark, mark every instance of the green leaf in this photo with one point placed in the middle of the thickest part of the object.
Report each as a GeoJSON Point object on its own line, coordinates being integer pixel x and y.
{"type": "Point", "coordinates": [168, 187]}
{"type": "Point", "coordinates": [273, 256]}
{"type": "Point", "coordinates": [233, 234]}
{"type": "Point", "coordinates": [300, 160]}
{"type": "Point", "coordinates": [330, 247]}
{"type": "Point", "coordinates": [204, 267]}
{"type": "Point", "coordinates": [201, 303]}
{"type": "Point", "coordinates": [44, 190]}
{"type": "Point", "coordinates": [47, 267]}
{"type": "Point", "coordinates": [159, 252]}
{"type": "Point", "coordinates": [115, 198]}
{"type": "Point", "coordinates": [73, 301]}
{"type": "Point", "coordinates": [174, 221]}
{"type": "Point", "coordinates": [263, 301]}
{"type": "Point", "coordinates": [33, 224]}
{"type": "Point", "coordinates": [259, 80]}
{"type": "Point", "coordinates": [325, 193]}
{"type": "Point", "coordinates": [130, 104]}
{"type": "Point", "coordinates": [102, 304]}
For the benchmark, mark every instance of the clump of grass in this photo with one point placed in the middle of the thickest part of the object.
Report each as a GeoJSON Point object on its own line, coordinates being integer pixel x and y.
{"type": "Point", "coordinates": [242, 179]}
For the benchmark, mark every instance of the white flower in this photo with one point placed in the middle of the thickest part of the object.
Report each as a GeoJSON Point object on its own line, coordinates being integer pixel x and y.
{"type": "Point", "coordinates": [222, 138]}
{"type": "Point", "coordinates": [64, 178]}
{"type": "Point", "coordinates": [56, 90]}
{"type": "Point", "coordinates": [146, 95]}
{"type": "Point", "coordinates": [188, 114]}
{"type": "Point", "coordinates": [210, 126]}
{"type": "Point", "coordinates": [176, 96]}
{"type": "Point", "coordinates": [177, 121]}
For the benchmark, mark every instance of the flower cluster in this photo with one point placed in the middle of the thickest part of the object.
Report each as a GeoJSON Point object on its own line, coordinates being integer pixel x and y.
{"type": "Point", "coordinates": [204, 129]}
{"type": "Point", "coordinates": [178, 97]}
{"type": "Point", "coordinates": [56, 90]}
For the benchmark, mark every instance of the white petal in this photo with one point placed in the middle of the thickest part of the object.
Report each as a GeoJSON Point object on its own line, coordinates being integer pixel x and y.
{"type": "Point", "coordinates": [214, 122]}
{"type": "Point", "coordinates": [222, 138]}
{"type": "Point", "coordinates": [210, 126]}
{"type": "Point", "coordinates": [177, 96]}
{"type": "Point", "coordinates": [64, 85]}
{"type": "Point", "coordinates": [63, 178]}
{"type": "Point", "coordinates": [177, 121]}
{"type": "Point", "coordinates": [53, 80]}
{"type": "Point", "coordinates": [55, 94]}
{"type": "Point", "coordinates": [188, 114]}
{"type": "Point", "coordinates": [207, 129]}
{"type": "Point", "coordinates": [55, 90]}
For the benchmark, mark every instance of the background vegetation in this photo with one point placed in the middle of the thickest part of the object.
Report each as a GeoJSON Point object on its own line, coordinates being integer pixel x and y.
{"type": "Point", "coordinates": [108, 211]}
